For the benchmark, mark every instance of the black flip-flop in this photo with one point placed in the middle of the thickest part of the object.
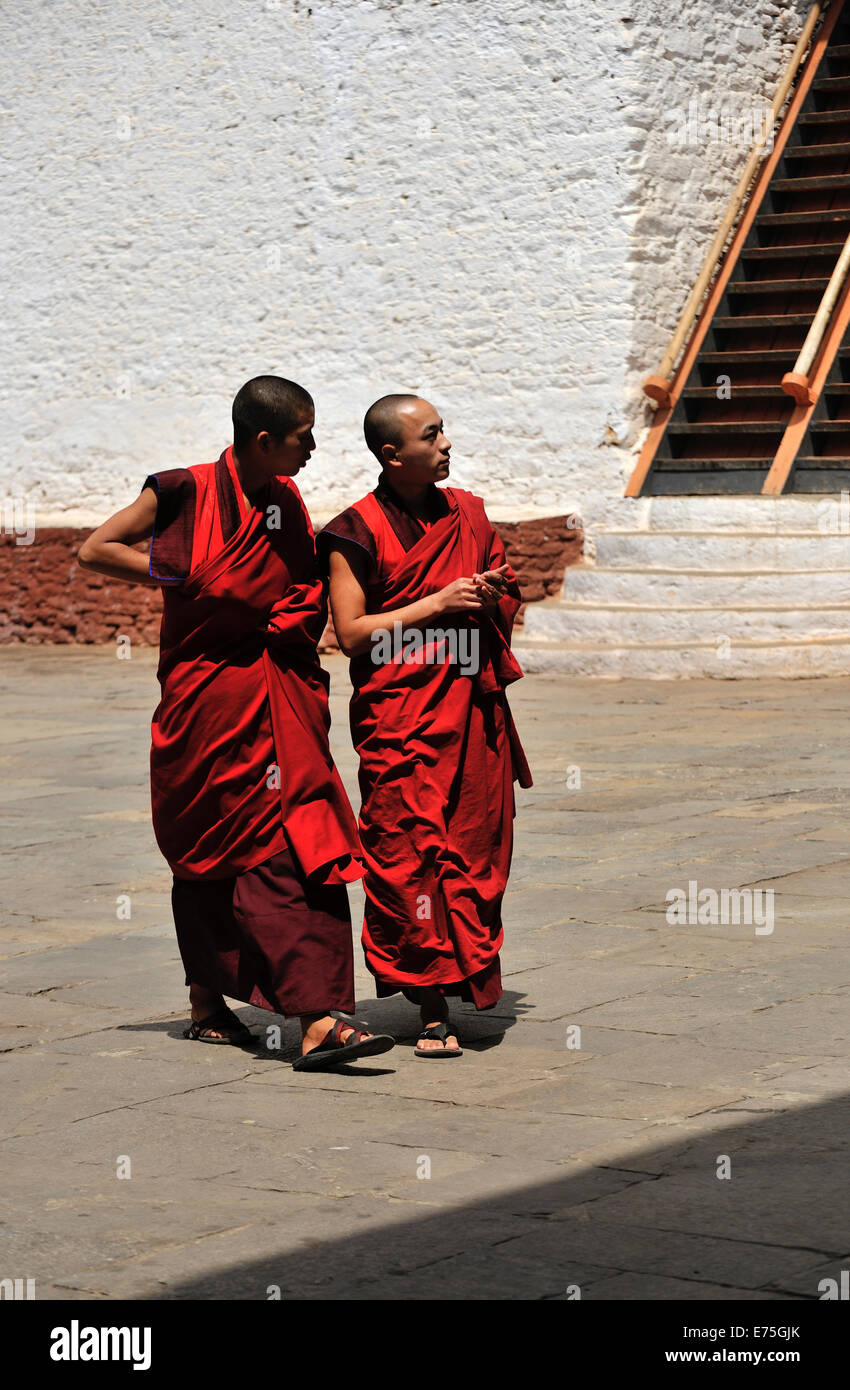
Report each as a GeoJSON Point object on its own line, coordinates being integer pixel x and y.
{"type": "Point", "coordinates": [331, 1051]}
{"type": "Point", "coordinates": [221, 1019]}
{"type": "Point", "coordinates": [440, 1031]}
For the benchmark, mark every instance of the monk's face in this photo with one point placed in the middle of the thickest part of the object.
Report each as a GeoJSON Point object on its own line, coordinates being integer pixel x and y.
{"type": "Point", "coordinates": [422, 454]}
{"type": "Point", "coordinates": [288, 455]}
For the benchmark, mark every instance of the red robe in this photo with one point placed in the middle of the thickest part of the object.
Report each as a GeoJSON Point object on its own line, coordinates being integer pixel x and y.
{"type": "Point", "coordinates": [244, 792]}
{"type": "Point", "coordinates": [438, 757]}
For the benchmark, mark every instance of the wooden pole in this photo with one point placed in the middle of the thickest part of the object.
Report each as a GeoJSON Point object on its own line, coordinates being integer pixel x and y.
{"type": "Point", "coordinates": [796, 382]}
{"type": "Point", "coordinates": [797, 427]}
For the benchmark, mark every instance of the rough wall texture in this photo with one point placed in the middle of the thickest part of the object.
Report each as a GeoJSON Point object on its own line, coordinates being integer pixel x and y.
{"type": "Point", "coordinates": [46, 597]}
{"type": "Point", "coordinates": [476, 199]}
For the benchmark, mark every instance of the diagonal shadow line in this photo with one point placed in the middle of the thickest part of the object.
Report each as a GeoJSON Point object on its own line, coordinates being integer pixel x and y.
{"type": "Point", "coordinates": [656, 1223]}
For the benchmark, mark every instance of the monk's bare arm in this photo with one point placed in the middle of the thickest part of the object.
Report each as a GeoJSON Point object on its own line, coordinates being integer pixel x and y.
{"type": "Point", "coordinates": [109, 549]}
{"type": "Point", "coordinates": [354, 626]}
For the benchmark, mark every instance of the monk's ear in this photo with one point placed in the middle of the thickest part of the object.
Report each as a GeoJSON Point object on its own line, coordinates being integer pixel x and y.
{"type": "Point", "coordinates": [388, 453]}
{"type": "Point", "coordinates": [264, 441]}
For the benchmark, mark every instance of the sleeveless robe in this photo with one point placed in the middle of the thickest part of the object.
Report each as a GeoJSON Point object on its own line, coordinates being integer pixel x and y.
{"type": "Point", "coordinates": [248, 807]}
{"type": "Point", "coordinates": [438, 753]}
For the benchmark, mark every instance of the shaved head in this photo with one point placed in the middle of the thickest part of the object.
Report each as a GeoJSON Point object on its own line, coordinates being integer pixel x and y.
{"type": "Point", "coordinates": [406, 435]}
{"type": "Point", "coordinates": [271, 404]}
{"type": "Point", "coordinates": [382, 424]}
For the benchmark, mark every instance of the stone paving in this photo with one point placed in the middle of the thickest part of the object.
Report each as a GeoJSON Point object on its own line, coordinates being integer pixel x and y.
{"type": "Point", "coordinates": [580, 1146]}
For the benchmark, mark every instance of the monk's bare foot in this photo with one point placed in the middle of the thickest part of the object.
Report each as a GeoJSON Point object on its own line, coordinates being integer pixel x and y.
{"type": "Point", "coordinates": [203, 1003]}
{"type": "Point", "coordinates": [433, 1009]}
{"type": "Point", "coordinates": [314, 1030]}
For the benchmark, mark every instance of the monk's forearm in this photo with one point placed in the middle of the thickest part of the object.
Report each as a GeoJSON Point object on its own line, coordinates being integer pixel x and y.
{"type": "Point", "coordinates": [356, 636]}
{"type": "Point", "coordinates": [116, 561]}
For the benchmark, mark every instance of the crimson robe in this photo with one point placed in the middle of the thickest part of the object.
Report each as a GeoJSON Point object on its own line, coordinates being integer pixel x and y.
{"type": "Point", "coordinates": [438, 755]}
{"type": "Point", "coordinates": [248, 807]}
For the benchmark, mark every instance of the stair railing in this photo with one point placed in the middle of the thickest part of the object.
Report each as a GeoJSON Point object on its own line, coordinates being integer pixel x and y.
{"type": "Point", "coordinates": [806, 382]}
{"type": "Point", "coordinates": [799, 382]}
{"type": "Point", "coordinates": [658, 386]}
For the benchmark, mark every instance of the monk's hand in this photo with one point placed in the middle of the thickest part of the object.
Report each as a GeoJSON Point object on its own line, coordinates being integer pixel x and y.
{"type": "Point", "coordinates": [461, 596]}
{"type": "Point", "coordinates": [501, 577]}
{"type": "Point", "coordinates": [492, 585]}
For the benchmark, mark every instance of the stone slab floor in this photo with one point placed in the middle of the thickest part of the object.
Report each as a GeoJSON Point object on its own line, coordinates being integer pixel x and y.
{"type": "Point", "coordinates": [654, 1110]}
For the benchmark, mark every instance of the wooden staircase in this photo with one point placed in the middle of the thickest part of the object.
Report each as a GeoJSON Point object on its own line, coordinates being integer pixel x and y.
{"type": "Point", "coordinates": [728, 420]}
{"type": "Point", "coordinates": [753, 399]}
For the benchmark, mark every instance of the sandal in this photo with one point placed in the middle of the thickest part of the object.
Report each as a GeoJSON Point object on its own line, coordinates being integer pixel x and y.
{"type": "Point", "coordinates": [238, 1034]}
{"type": "Point", "coordinates": [440, 1031]}
{"type": "Point", "coordinates": [332, 1050]}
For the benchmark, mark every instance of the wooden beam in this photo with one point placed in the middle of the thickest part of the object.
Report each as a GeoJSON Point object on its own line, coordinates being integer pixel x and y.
{"type": "Point", "coordinates": [797, 427]}
{"type": "Point", "coordinates": [648, 452]}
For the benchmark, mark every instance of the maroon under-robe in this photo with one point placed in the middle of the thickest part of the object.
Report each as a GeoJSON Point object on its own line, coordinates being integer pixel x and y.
{"type": "Point", "coordinates": [248, 807]}
{"type": "Point", "coordinates": [438, 753]}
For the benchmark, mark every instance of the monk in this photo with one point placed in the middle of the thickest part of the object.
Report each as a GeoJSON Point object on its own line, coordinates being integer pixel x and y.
{"type": "Point", "coordinates": [423, 603]}
{"type": "Point", "coordinates": [248, 807]}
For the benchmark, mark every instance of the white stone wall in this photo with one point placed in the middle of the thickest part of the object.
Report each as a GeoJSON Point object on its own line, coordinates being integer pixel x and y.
{"type": "Point", "coordinates": [474, 199]}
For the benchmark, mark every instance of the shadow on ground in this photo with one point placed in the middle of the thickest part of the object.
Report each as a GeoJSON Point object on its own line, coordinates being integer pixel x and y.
{"type": "Point", "coordinates": [659, 1224]}
{"type": "Point", "coordinates": [479, 1031]}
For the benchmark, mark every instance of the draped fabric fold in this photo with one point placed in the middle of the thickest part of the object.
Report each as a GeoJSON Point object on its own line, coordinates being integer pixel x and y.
{"type": "Point", "coordinates": [240, 763]}
{"type": "Point", "coordinates": [248, 807]}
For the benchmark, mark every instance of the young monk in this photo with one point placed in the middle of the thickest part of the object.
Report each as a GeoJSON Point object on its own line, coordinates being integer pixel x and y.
{"type": "Point", "coordinates": [423, 603]}
{"type": "Point", "coordinates": [248, 807]}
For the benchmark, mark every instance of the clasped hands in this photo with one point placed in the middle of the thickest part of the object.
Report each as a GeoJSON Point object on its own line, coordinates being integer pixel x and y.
{"type": "Point", "coordinates": [482, 591]}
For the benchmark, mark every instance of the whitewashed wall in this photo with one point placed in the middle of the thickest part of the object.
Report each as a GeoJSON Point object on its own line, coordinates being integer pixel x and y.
{"type": "Point", "coordinates": [474, 199]}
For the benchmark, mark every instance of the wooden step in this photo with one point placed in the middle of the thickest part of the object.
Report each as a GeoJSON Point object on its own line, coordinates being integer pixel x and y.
{"type": "Point", "coordinates": [820, 182]}
{"type": "Point", "coordinates": [668, 464]}
{"type": "Point", "coordinates": [699, 393]}
{"type": "Point", "coordinates": [821, 461]}
{"type": "Point", "coordinates": [770, 356]}
{"type": "Point", "coordinates": [781, 253]}
{"type": "Point", "coordinates": [798, 219]}
{"type": "Point", "coordinates": [826, 150]}
{"type": "Point", "coordinates": [821, 481]}
{"type": "Point", "coordinates": [838, 50]}
{"type": "Point", "coordinates": [831, 84]}
{"type": "Point", "coordinates": [729, 427]}
{"type": "Point", "coordinates": [825, 427]}
{"type": "Point", "coordinates": [715, 482]}
{"type": "Point", "coordinates": [763, 321]}
{"type": "Point", "coordinates": [818, 283]}
{"type": "Point", "coordinates": [824, 117]}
